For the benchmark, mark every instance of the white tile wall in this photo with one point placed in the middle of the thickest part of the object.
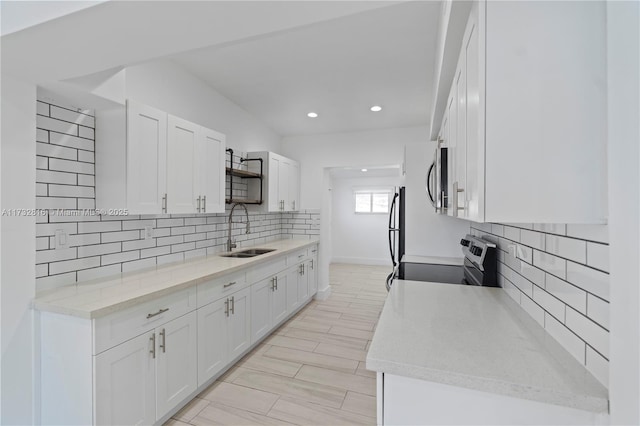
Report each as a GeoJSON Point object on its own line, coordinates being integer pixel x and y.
{"type": "Point", "coordinates": [558, 274]}
{"type": "Point", "coordinates": [99, 246]}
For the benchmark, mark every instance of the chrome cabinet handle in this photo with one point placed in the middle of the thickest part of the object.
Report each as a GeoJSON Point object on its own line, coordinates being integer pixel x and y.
{"type": "Point", "coordinates": [303, 269]}
{"type": "Point", "coordinates": [164, 203]}
{"type": "Point", "coordinates": [294, 204]}
{"type": "Point", "coordinates": [163, 345]}
{"type": "Point", "coordinates": [161, 311]}
{"type": "Point", "coordinates": [153, 345]}
{"type": "Point", "coordinates": [276, 282]}
{"type": "Point", "coordinates": [273, 284]}
{"type": "Point", "coordinates": [312, 264]}
{"type": "Point", "coordinates": [229, 285]}
{"type": "Point", "coordinates": [233, 305]}
{"type": "Point", "coordinates": [204, 204]}
{"type": "Point", "coordinates": [226, 307]}
{"type": "Point", "coordinates": [198, 206]}
{"type": "Point", "coordinates": [456, 190]}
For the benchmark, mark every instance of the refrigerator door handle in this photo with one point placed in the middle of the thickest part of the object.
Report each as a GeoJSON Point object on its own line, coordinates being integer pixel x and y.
{"type": "Point", "coordinates": [392, 229]}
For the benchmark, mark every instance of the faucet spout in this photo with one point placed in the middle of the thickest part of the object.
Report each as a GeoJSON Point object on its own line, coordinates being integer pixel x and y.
{"type": "Point", "coordinates": [230, 243]}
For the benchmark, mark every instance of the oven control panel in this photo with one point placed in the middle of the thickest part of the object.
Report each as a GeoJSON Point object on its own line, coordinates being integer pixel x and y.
{"type": "Point", "coordinates": [475, 249]}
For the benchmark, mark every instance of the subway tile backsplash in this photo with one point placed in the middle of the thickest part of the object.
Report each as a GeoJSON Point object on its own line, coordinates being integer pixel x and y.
{"type": "Point", "coordinates": [559, 275]}
{"type": "Point", "coordinates": [95, 246]}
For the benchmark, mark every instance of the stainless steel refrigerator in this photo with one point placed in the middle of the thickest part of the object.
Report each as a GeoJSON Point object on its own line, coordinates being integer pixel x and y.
{"type": "Point", "coordinates": [396, 230]}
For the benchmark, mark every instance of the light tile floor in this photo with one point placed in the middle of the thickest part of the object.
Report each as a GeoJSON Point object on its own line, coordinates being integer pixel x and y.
{"type": "Point", "coordinates": [310, 371]}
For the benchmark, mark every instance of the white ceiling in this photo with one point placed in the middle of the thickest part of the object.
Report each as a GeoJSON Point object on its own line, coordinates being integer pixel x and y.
{"type": "Point", "coordinates": [372, 172]}
{"type": "Point", "coordinates": [337, 68]}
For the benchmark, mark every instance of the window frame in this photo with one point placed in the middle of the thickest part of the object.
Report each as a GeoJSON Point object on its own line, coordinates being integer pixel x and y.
{"type": "Point", "coordinates": [388, 191]}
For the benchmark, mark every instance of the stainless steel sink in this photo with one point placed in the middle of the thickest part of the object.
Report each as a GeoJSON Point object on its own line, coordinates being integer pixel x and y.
{"type": "Point", "coordinates": [248, 253]}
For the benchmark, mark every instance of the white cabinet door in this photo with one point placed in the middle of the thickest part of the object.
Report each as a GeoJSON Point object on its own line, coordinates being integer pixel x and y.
{"type": "Point", "coordinates": [125, 386]}
{"type": "Point", "coordinates": [261, 295]}
{"type": "Point", "coordinates": [182, 173]}
{"type": "Point", "coordinates": [176, 362]}
{"type": "Point", "coordinates": [239, 331]}
{"type": "Point", "coordinates": [212, 339]}
{"type": "Point", "coordinates": [275, 204]}
{"type": "Point", "coordinates": [303, 282]}
{"type": "Point", "coordinates": [294, 186]}
{"type": "Point", "coordinates": [474, 182]}
{"type": "Point", "coordinates": [283, 183]}
{"type": "Point", "coordinates": [279, 299]}
{"type": "Point", "coordinates": [211, 156]}
{"type": "Point", "coordinates": [146, 159]}
{"type": "Point", "coordinates": [312, 275]}
{"type": "Point", "coordinates": [459, 96]}
{"type": "Point", "coordinates": [291, 282]}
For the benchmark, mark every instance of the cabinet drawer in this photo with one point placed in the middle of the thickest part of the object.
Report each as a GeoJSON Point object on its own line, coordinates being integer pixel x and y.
{"type": "Point", "coordinates": [266, 270]}
{"type": "Point", "coordinates": [216, 288]}
{"type": "Point", "coordinates": [114, 329]}
{"type": "Point", "coordinates": [297, 257]}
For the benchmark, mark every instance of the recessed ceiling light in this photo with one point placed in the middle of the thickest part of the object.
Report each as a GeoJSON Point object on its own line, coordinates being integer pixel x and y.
{"type": "Point", "coordinates": [376, 108]}
{"type": "Point", "coordinates": [364, 170]}
{"type": "Point", "coordinates": [312, 115]}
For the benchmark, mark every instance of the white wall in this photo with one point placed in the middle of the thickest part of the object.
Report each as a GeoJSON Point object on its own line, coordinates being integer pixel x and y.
{"type": "Point", "coordinates": [17, 276]}
{"type": "Point", "coordinates": [359, 238]}
{"type": "Point", "coordinates": [370, 148]}
{"type": "Point", "coordinates": [169, 87]}
{"type": "Point", "coordinates": [623, 51]}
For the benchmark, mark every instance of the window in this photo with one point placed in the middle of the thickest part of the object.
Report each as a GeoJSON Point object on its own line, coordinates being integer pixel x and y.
{"type": "Point", "coordinates": [372, 200]}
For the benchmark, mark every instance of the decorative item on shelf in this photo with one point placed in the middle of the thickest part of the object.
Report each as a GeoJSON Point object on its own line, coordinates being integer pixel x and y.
{"type": "Point", "coordinates": [243, 174]}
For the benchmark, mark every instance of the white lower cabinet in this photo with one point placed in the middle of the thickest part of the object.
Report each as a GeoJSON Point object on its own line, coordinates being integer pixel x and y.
{"type": "Point", "coordinates": [290, 280]}
{"type": "Point", "coordinates": [212, 339]}
{"type": "Point", "coordinates": [303, 282]}
{"type": "Point", "coordinates": [176, 362]}
{"type": "Point", "coordinates": [141, 380]}
{"type": "Point", "coordinates": [126, 383]}
{"type": "Point", "coordinates": [224, 333]}
{"type": "Point", "coordinates": [239, 331]}
{"type": "Point", "coordinates": [312, 273]}
{"type": "Point", "coordinates": [268, 305]}
{"type": "Point", "coordinates": [141, 364]}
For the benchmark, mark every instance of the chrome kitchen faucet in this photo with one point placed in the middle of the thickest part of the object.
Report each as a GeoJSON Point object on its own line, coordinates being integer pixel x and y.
{"type": "Point", "coordinates": [230, 243]}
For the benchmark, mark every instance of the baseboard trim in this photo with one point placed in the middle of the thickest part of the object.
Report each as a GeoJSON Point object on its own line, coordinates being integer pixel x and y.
{"type": "Point", "coordinates": [323, 294]}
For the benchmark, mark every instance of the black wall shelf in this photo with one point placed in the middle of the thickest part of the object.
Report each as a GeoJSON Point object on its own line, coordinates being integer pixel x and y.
{"type": "Point", "coordinates": [244, 174]}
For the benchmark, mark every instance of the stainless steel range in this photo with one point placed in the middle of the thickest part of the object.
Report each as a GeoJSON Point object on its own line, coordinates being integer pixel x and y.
{"type": "Point", "coordinates": [478, 268]}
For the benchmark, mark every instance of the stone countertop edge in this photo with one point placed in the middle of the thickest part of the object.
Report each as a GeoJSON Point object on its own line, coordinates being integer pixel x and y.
{"type": "Point", "coordinates": [54, 300]}
{"type": "Point", "coordinates": [591, 397]}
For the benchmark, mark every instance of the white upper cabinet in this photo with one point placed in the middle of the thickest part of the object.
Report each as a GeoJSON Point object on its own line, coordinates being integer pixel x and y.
{"type": "Point", "coordinates": [282, 177]}
{"type": "Point", "coordinates": [530, 114]}
{"type": "Point", "coordinates": [146, 157]}
{"type": "Point", "coordinates": [149, 162]}
{"type": "Point", "coordinates": [211, 169]}
{"type": "Point", "coordinates": [195, 168]}
{"type": "Point", "coordinates": [182, 176]}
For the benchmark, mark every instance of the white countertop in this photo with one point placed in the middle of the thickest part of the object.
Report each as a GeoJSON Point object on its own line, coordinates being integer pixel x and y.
{"type": "Point", "coordinates": [101, 297]}
{"type": "Point", "coordinates": [436, 260]}
{"type": "Point", "coordinates": [477, 338]}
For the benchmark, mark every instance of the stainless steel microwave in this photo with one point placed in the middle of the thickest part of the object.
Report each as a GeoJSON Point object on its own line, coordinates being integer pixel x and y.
{"type": "Point", "coordinates": [437, 179]}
